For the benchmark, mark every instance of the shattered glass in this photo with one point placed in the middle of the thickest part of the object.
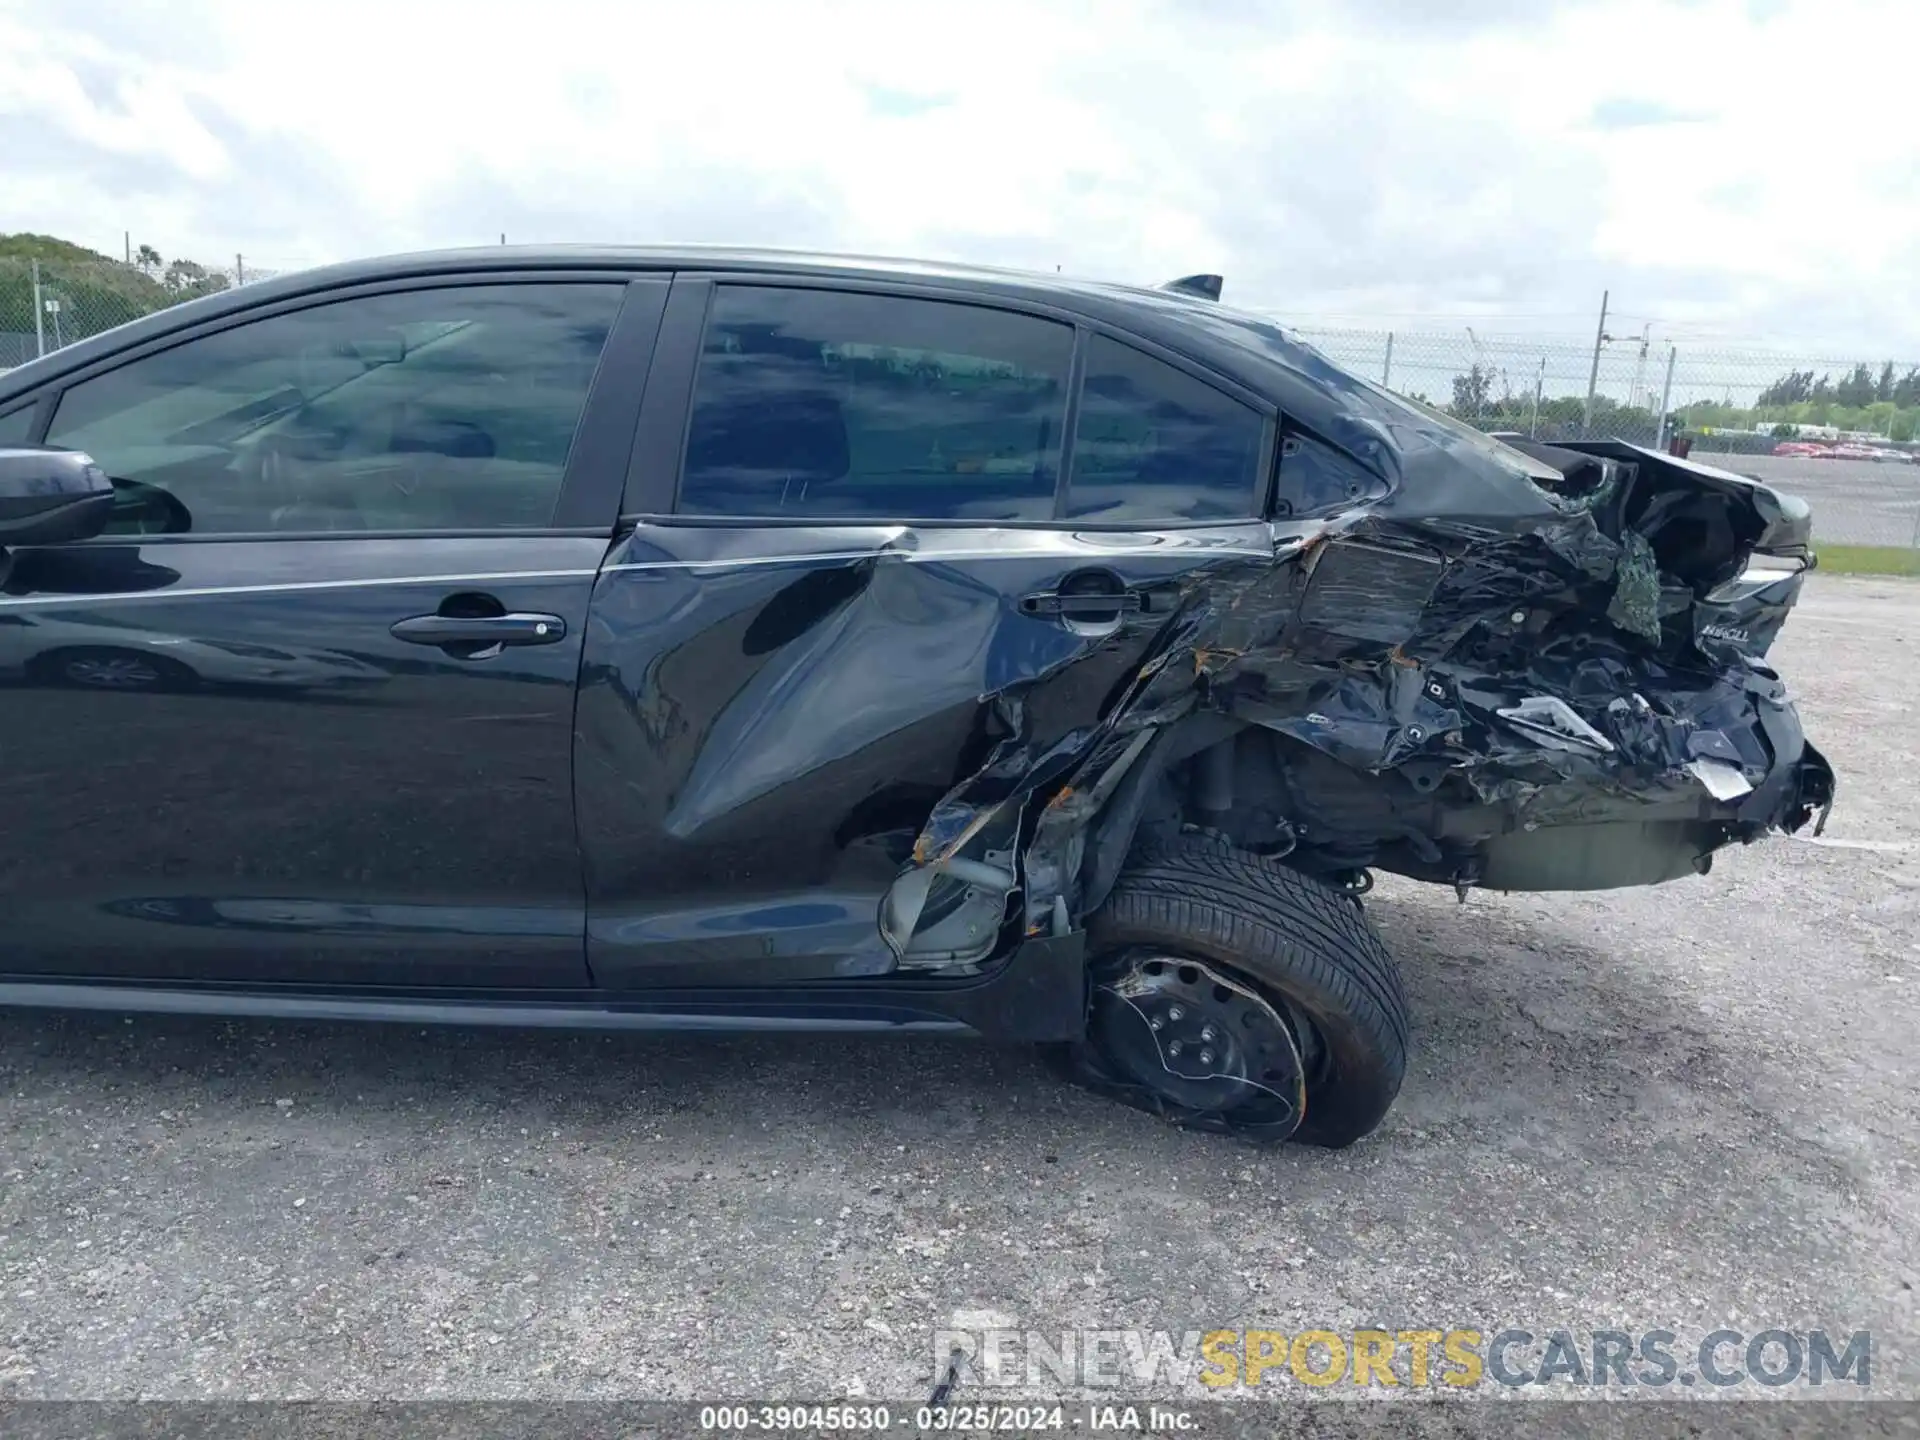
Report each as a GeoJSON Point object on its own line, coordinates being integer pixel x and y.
{"type": "Point", "coordinates": [1635, 606]}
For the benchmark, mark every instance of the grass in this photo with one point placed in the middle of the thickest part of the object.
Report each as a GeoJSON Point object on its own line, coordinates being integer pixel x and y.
{"type": "Point", "coordinates": [1867, 559]}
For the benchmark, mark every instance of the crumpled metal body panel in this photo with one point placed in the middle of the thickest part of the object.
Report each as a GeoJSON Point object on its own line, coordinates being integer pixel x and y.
{"type": "Point", "coordinates": [1390, 637]}
{"type": "Point", "coordinates": [776, 724]}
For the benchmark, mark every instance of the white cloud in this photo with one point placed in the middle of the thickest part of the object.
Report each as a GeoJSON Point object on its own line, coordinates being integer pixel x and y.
{"type": "Point", "coordinates": [1745, 169]}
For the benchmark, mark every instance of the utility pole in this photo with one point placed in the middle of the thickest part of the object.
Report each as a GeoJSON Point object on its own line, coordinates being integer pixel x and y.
{"type": "Point", "coordinates": [1666, 396]}
{"type": "Point", "coordinates": [126, 238]}
{"type": "Point", "coordinates": [39, 310]}
{"type": "Point", "coordinates": [239, 269]}
{"type": "Point", "coordinates": [1593, 375]}
{"type": "Point", "coordinates": [1386, 370]}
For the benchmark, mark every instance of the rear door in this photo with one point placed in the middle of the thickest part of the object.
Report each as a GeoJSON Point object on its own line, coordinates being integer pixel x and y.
{"type": "Point", "coordinates": [887, 542]}
{"type": "Point", "coordinates": [305, 714]}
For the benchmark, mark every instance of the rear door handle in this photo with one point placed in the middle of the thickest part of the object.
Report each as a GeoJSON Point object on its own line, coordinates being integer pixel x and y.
{"type": "Point", "coordinates": [1092, 602]}
{"type": "Point", "coordinates": [1050, 602]}
{"type": "Point", "coordinates": [514, 629]}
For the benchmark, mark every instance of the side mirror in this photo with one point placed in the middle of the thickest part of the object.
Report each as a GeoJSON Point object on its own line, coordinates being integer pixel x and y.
{"type": "Point", "coordinates": [51, 497]}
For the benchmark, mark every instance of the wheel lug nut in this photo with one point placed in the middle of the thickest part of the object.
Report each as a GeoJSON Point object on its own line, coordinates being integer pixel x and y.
{"type": "Point", "coordinates": [1174, 1012]}
{"type": "Point", "coordinates": [1206, 1057]}
{"type": "Point", "coordinates": [1173, 1047]}
{"type": "Point", "coordinates": [1157, 1023]}
{"type": "Point", "coordinates": [1207, 1032]}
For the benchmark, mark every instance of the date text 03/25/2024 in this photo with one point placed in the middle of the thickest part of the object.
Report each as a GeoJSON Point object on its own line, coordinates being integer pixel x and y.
{"type": "Point", "coordinates": [941, 1419]}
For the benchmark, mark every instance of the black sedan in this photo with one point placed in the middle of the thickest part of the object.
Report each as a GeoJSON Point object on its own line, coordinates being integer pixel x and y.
{"type": "Point", "coordinates": [711, 640]}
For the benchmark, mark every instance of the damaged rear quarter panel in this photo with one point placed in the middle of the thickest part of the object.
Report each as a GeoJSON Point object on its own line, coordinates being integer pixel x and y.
{"type": "Point", "coordinates": [775, 721]}
{"type": "Point", "coordinates": [1422, 636]}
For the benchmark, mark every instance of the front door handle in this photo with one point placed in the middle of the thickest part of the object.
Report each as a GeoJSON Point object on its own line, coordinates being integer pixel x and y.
{"type": "Point", "coordinates": [485, 630]}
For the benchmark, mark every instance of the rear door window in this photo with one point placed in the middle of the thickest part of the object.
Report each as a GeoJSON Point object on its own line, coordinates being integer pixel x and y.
{"type": "Point", "coordinates": [1155, 444]}
{"type": "Point", "coordinates": [823, 403]}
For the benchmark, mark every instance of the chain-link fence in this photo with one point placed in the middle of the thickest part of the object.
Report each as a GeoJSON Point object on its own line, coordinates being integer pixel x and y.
{"type": "Point", "coordinates": [48, 304]}
{"type": "Point", "coordinates": [1841, 431]}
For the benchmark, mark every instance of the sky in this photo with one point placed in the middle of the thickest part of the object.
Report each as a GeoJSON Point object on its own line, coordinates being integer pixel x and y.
{"type": "Point", "coordinates": [1734, 172]}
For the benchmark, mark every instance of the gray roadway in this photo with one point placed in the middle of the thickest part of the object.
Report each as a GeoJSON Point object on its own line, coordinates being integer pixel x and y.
{"type": "Point", "coordinates": [1855, 502]}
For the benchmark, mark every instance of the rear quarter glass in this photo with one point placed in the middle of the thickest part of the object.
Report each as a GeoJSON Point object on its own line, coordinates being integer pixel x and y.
{"type": "Point", "coordinates": [1155, 444]}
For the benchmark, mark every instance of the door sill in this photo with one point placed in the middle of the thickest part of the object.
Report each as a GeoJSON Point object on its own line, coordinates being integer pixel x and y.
{"type": "Point", "coordinates": [1037, 995]}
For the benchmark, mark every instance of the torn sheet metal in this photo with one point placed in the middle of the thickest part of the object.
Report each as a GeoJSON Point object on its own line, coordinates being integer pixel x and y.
{"type": "Point", "coordinates": [1567, 688]}
{"type": "Point", "coordinates": [1552, 722]}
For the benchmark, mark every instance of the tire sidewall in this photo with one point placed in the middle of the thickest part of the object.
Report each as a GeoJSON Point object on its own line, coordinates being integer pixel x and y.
{"type": "Point", "coordinates": [1360, 1077]}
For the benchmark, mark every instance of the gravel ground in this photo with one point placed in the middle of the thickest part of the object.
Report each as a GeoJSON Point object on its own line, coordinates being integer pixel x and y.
{"type": "Point", "coordinates": [1671, 1108]}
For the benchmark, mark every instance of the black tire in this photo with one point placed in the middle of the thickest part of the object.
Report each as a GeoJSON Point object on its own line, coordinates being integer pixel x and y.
{"type": "Point", "coordinates": [1302, 943]}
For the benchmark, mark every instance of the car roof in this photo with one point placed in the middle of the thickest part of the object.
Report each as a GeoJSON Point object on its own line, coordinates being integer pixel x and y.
{"type": "Point", "coordinates": [1169, 317]}
{"type": "Point", "coordinates": [1162, 315]}
{"type": "Point", "coordinates": [731, 259]}
{"type": "Point", "coordinates": [1252, 349]}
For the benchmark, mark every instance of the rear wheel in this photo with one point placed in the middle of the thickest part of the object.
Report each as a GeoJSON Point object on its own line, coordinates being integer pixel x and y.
{"type": "Point", "coordinates": [1231, 994]}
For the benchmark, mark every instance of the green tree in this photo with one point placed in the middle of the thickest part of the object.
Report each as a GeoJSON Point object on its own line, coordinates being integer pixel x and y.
{"type": "Point", "coordinates": [189, 281]}
{"type": "Point", "coordinates": [1471, 392]}
{"type": "Point", "coordinates": [1789, 389]}
{"type": "Point", "coordinates": [1856, 389]}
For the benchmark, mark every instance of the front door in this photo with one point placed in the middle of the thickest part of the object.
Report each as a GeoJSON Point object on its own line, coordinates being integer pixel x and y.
{"type": "Point", "coordinates": [866, 590]}
{"type": "Point", "coordinates": [305, 713]}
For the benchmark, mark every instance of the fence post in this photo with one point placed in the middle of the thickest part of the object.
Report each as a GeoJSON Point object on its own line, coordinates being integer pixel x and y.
{"type": "Point", "coordinates": [1666, 395]}
{"type": "Point", "coordinates": [1593, 375]}
{"type": "Point", "coordinates": [1386, 370]}
{"type": "Point", "coordinates": [1539, 384]}
{"type": "Point", "coordinates": [39, 315]}
{"type": "Point", "coordinates": [239, 270]}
